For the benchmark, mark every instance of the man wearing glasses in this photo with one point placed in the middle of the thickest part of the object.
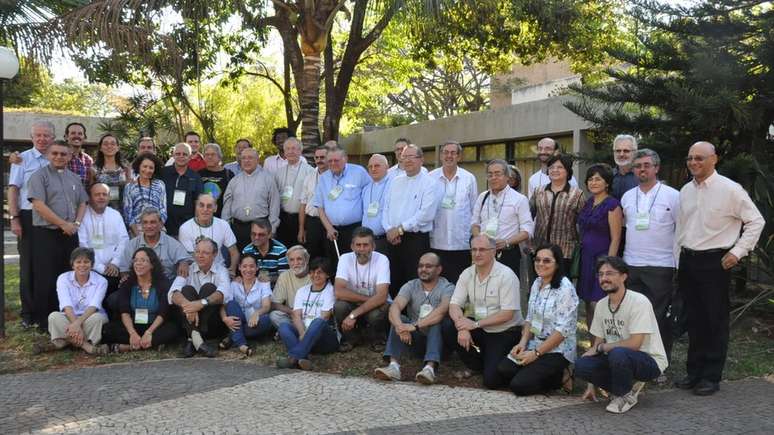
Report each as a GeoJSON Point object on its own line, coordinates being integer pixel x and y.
{"type": "Point", "coordinates": [624, 147]}
{"type": "Point", "coordinates": [714, 211]}
{"type": "Point", "coordinates": [203, 225]}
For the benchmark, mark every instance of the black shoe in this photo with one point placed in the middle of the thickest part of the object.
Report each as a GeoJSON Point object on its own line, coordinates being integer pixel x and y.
{"type": "Point", "coordinates": [287, 363]}
{"type": "Point", "coordinates": [207, 351]}
{"type": "Point", "coordinates": [28, 324]}
{"type": "Point", "coordinates": [706, 388]}
{"type": "Point", "coordinates": [188, 349]}
{"type": "Point", "coordinates": [686, 383]}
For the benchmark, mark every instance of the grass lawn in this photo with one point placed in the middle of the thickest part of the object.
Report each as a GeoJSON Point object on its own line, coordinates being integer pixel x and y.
{"type": "Point", "coordinates": [751, 351]}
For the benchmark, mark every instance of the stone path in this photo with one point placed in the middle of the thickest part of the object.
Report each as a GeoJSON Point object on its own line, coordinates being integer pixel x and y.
{"type": "Point", "coordinates": [216, 396]}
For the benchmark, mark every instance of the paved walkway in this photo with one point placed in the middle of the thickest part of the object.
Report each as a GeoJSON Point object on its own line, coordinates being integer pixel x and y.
{"type": "Point", "coordinates": [216, 396]}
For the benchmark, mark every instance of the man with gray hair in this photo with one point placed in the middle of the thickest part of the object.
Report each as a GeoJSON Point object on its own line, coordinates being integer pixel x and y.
{"type": "Point", "coordinates": [650, 212]}
{"type": "Point", "coordinates": [174, 258]}
{"type": "Point", "coordinates": [373, 200]}
{"type": "Point", "coordinates": [20, 210]}
{"type": "Point", "coordinates": [215, 177]}
{"type": "Point", "coordinates": [503, 214]}
{"type": "Point", "coordinates": [183, 185]}
{"type": "Point", "coordinates": [290, 181]}
{"type": "Point", "coordinates": [288, 283]}
{"type": "Point", "coordinates": [624, 147]}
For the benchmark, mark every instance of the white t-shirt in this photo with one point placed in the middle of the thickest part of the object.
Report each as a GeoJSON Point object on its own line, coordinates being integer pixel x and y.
{"type": "Point", "coordinates": [312, 304]}
{"type": "Point", "coordinates": [220, 231]}
{"type": "Point", "coordinates": [634, 316]}
{"type": "Point", "coordinates": [363, 278]}
{"type": "Point", "coordinates": [650, 240]}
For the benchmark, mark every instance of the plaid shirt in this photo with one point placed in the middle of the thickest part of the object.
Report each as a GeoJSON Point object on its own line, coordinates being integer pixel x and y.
{"type": "Point", "coordinates": [81, 165]}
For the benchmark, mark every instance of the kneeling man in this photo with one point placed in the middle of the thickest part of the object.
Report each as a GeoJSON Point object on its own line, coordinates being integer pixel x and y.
{"type": "Point", "coordinates": [427, 298]}
{"type": "Point", "coordinates": [627, 345]}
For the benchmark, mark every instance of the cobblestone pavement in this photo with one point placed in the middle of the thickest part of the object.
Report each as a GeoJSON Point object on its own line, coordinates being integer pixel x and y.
{"type": "Point", "coordinates": [216, 396]}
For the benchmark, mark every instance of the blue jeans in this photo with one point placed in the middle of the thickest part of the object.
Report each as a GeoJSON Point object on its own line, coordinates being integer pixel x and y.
{"type": "Point", "coordinates": [319, 338]}
{"type": "Point", "coordinates": [430, 342]}
{"type": "Point", "coordinates": [240, 336]}
{"type": "Point", "coordinates": [617, 371]}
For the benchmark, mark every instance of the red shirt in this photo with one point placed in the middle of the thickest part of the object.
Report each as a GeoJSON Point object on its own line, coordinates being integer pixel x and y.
{"type": "Point", "coordinates": [197, 162]}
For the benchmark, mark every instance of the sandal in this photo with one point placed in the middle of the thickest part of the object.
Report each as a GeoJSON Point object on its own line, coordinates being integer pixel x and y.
{"type": "Point", "coordinates": [568, 378]}
{"type": "Point", "coordinates": [226, 343]}
{"type": "Point", "coordinates": [463, 374]}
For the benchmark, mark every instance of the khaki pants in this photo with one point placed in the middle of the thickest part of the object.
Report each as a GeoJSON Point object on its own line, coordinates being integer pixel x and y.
{"type": "Point", "coordinates": [92, 327]}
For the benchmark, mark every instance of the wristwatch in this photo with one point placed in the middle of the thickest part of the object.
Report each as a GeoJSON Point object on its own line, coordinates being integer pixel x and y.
{"type": "Point", "coordinates": [204, 301]}
{"type": "Point", "coordinates": [77, 223]}
{"type": "Point", "coordinates": [537, 352]}
{"type": "Point", "coordinates": [352, 316]}
{"type": "Point", "coordinates": [478, 325]}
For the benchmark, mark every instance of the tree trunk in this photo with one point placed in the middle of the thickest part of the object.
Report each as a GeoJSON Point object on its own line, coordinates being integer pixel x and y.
{"type": "Point", "coordinates": [309, 97]}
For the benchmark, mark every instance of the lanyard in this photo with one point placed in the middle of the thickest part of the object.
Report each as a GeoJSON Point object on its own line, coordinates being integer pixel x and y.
{"type": "Point", "coordinates": [314, 303]}
{"type": "Point", "coordinates": [446, 187]}
{"type": "Point", "coordinates": [368, 275]}
{"type": "Point", "coordinates": [429, 294]}
{"type": "Point", "coordinates": [613, 313]}
{"type": "Point", "coordinates": [211, 226]}
{"type": "Point", "coordinates": [475, 285]}
{"type": "Point", "coordinates": [298, 171]}
{"type": "Point", "coordinates": [95, 223]}
{"type": "Point", "coordinates": [340, 177]}
{"type": "Point", "coordinates": [637, 200]}
{"type": "Point", "coordinates": [371, 193]}
{"type": "Point", "coordinates": [490, 206]}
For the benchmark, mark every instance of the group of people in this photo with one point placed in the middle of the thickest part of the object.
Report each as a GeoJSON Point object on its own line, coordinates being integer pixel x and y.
{"type": "Point", "coordinates": [398, 258]}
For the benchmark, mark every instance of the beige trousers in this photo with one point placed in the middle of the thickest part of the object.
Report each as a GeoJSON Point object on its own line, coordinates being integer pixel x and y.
{"type": "Point", "coordinates": [92, 327]}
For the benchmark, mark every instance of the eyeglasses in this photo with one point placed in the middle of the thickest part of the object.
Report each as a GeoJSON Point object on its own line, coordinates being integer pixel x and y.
{"type": "Point", "coordinates": [643, 165]}
{"type": "Point", "coordinates": [610, 273]}
{"type": "Point", "coordinates": [623, 151]}
{"type": "Point", "coordinates": [410, 157]}
{"type": "Point", "coordinates": [695, 158]}
{"type": "Point", "coordinates": [427, 266]}
{"type": "Point", "coordinates": [58, 154]}
{"type": "Point", "coordinates": [450, 153]}
{"type": "Point", "coordinates": [495, 174]}
{"type": "Point", "coordinates": [539, 260]}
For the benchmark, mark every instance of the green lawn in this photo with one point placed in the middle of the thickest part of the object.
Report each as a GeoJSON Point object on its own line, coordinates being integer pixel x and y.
{"type": "Point", "coordinates": [751, 351]}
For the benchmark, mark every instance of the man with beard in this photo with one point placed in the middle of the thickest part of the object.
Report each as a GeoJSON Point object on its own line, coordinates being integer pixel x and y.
{"type": "Point", "coordinates": [427, 299]}
{"type": "Point", "coordinates": [546, 148]}
{"type": "Point", "coordinates": [361, 286]}
{"type": "Point", "coordinates": [627, 349]}
{"type": "Point", "coordinates": [287, 285]}
{"type": "Point", "coordinates": [80, 163]}
{"type": "Point", "coordinates": [624, 179]}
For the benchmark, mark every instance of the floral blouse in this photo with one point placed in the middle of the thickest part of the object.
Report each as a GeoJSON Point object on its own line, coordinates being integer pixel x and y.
{"type": "Point", "coordinates": [137, 197]}
{"type": "Point", "coordinates": [553, 309]}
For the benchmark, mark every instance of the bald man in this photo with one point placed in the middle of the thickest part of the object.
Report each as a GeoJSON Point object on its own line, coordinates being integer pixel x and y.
{"type": "Point", "coordinates": [373, 199]}
{"type": "Point", "coordinates": [713, 211]}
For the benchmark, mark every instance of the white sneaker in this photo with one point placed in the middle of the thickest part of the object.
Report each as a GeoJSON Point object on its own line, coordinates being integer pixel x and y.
{"type": "Point", "coordinates": [425, 376]}
{"type": "Point", "coordinates": [621, 404]}
{"type": "Point", "coordinates": [389, 373]}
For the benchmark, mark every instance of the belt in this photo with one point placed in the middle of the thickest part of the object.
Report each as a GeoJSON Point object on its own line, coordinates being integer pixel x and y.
{"type": "Point", "coordinates": [344, 227]}
{"type": "Point", "coordinates": [237, 221]}
{"type": "Point", "coordinates": [691, 252]}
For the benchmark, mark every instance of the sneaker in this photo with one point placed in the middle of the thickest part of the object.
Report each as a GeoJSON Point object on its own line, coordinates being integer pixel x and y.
{"type": "Point", "coordinates": [389, 373]}
{"type": "Point", "coordinates": [621, 404]}
{"type": "Point", "coordinates": [425, 376]}
{"type": "Point", "coordinates": [636, 389]}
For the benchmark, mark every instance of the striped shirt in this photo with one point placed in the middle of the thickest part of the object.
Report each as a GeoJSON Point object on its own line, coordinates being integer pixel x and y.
{"type": "Point", "coordinates": [137, 197]}
{"type": "Point", "coordinates": [81, 165]}
{"type": "Point", "coordinates": [275, 261]}
{"type": "Point", "coordinates": [556, 216]}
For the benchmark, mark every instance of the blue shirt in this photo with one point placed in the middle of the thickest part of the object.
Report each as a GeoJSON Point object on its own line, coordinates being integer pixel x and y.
{"type": "Point", "coordinates": [136, 301]}
{"type": "Point", "coordinates": [623, 183]}
{"type": "Point", "coordinates": [137, 197]}
{"type": "Point", "coordinates": [233, 167]}
{"type": "Point", "coordinates": [375, 193]}
{"type": "Point", "coordinates": [347, 208]}
{"type": "Point", "coordinates": [275, 261]}
{"type": "Point", "coordinates": [32, 160]}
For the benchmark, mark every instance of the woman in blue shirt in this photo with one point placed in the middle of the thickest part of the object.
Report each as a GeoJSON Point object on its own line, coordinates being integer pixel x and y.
{"type": "Point", "coordinates": [142, 302]}
{"type": "Point", "coordinates": [539, 362]}
{"type": "Point", "coordinates": [247, 313]}
{"type": "Point", "coordinates": [148, 191]}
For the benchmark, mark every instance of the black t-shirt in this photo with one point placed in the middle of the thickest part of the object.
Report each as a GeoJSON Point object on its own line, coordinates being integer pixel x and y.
{"type": "Point", "coordinates": [214, 183]}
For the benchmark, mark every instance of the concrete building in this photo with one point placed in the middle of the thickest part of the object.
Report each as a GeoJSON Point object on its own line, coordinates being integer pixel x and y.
{"type": "Point", "coordinates": [17, 125]}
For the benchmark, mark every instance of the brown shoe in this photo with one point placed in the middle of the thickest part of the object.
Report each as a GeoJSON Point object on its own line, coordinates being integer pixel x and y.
{"type": "Point", "coordinates": [39, 348]}
{"type": "Point", "coordinates": [305, 364]}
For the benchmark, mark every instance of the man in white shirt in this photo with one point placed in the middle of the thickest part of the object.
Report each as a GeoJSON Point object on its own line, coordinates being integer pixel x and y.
{"type": "Point", "coordinates": [650, 211]}
{"type": "Point", "coordinates": [397, 168]}
{"type": "Point", "coordinates": [290, 180]}
{"type": "Point", "coordinates": [311, 232]}
{"type": "Point", "coordinates": [627, 349]}
{"type": "Point", "coordinates": [546, 148]}
{"type": "Point", "coordinates": [450, 238]}
{"type": "Point", "coordinates": [200, 297]}
{"type": "Point", "coordinates": [374, 198]}
{"type": "Point", "coordinates": [503, 214]}
{"type": "Point", "coordinates": [492, 290]}
{"type": "Point", "coordinates": [409, 209]}
{"type": "Point", "coordinates": [104, 231]}
{"type": "Point", "coordinates": [361, 286]}
{"type": "Point", "coordinates": [277, 161]}
{"type": "Point", "coordinates": [718, 225]}
{"type": "Point", "coordinates": [204, 224]}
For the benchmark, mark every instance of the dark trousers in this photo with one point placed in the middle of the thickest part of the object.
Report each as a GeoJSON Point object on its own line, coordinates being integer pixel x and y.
{"type": "Point", "coordinates": [404, 258]}
{"type": "Point", "coordinates": [51, 258]}
{"type": "Point", "coordinates": [493, 345]}
{"type": "Point", "coordinates": [704, 286]}
{"type": "Point", "coordinates": [241, 231]}
{"type": "Point", "coordinates": [315, 236]}
{"type": "Point", "coordinates": [344, 240]}
{"type": "Point", "coordinates": [382, 245]}
{"type": "Point", "coordinates": [115, 332]}
{"type": "Point", "coordinates": [617, 371]}
{"type": "Point", "coordinates": [372, 326]}
{"type": "Point", "coordinates": [657, 283]}
{"type": "Point", "coordinates": [542, 375]}
{"type": "Point", "coordinates": [110, 304]}
{"type": "Point", "coordinates": [453, 262]}
{"type": "Point", "coordinates": [24, 246]}
{"type": "Point", "coordinates": [511, 258]}
{"type": "Point", "coordinates": [287, 233]}
{"type": "Point", "coordinates": [210, 324]}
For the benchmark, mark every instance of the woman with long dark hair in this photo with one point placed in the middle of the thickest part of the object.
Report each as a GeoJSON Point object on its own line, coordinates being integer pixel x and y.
{"type": "Point", "coordinates": [142, 301]}
{"type": "Point", "coordinates": [109, 168]}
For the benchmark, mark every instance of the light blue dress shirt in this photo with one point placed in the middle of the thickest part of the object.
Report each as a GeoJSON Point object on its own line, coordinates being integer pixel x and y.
{"type": "Point", "coordinates": [375, 193]}
{"type": "Point", "coordinates": [347, 208]}
{"type": "Point", "coordinates": [32, 160]}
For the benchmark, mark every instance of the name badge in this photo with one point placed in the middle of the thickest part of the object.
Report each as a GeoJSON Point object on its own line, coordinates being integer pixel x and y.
{"type": "Point", "coordinates": [481, 311]}
{"type": "Point", "coordinates": [97, 241]}
{"type": "Point", "coordinates": [141, 316]}
{"type": "Point", "coordinates": [536, 325]}
{"type": "Point", "coordinates": [424, 310]}
{"type": "Point", "coordinates": [491, 227]}
{"type": "Point", "coordinates": [642, 221]}
{"type": "Point", "coordinates": [308, 320]}
{"type": "Point", "coordinates": [247, 211]}
{"type": "Point", "coordinates": [335, 193]}
{"type": "Point", "coordinates": [179, 197]}
{"type": "Point", "coordinates": [114, 193]}
{"type": "Point", "coordinates": [447, 202]}
{"type": "Point", "coordinates": [373, 209]}
{"type": "Point", "coordinates": [287, 193]}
